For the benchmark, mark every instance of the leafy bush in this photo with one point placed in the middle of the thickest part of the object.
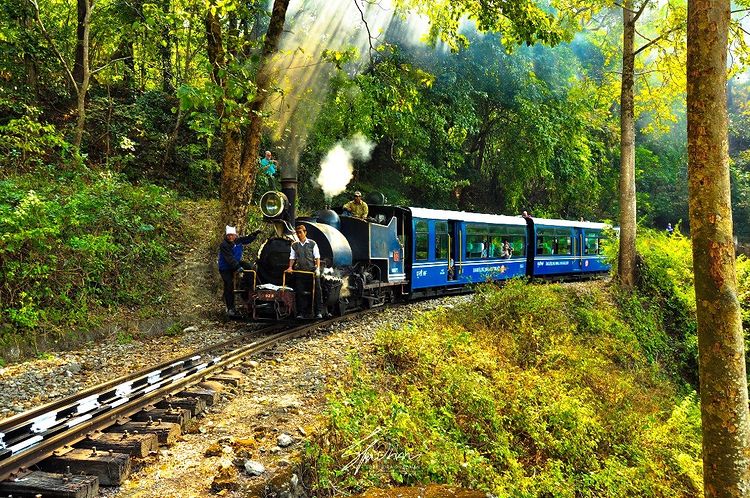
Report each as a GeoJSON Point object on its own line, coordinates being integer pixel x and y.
{"type": "Point", "coordinates": [662, 310]}
{"type": "Point", "coordinates": [27, 144]}
{"type": "Point", "coordinates": [68, 246]}
{"type": "Point", "coordinates": [519, 393]}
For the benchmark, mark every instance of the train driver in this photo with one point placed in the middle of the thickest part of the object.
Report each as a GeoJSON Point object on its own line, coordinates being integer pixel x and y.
{"type": "Point", "coordinates": [357, 207]}
{"type": "Point", "coordinates": [305, 256]}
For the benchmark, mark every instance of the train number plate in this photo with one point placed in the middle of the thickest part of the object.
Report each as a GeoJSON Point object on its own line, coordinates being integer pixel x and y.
{"type": "Point", "coordinates": [267, 295]}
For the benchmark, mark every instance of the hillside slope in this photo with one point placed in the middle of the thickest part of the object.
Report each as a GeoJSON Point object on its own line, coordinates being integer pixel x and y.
{"type": "Point", "coordinates": [543, 390]}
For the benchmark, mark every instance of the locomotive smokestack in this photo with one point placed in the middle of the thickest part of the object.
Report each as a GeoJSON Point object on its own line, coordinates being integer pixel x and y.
{"type": "Point", "coordinates": [289, 189]}
{"type": "Point", "coordinates": [291, 154]}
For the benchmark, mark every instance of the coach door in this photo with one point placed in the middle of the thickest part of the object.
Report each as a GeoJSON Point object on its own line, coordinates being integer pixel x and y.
{"type": "Point", "coordinates": [452, 244]}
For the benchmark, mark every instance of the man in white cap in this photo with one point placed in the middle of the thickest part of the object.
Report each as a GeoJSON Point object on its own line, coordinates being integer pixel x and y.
{"type": "Point", "coordinates": [357, 208]}
{"type": "Point", "coordinates": [230, 260]}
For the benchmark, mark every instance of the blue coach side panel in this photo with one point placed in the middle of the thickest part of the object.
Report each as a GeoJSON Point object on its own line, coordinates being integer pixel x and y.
{"type": "Point", "coordinates": [452, 249]}
{"type": "Point", "coordinates": [562, 247]}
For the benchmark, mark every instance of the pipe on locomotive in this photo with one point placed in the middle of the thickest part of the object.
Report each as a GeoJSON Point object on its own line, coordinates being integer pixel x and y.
{"type": "Point", "coordinates": [279, 208]}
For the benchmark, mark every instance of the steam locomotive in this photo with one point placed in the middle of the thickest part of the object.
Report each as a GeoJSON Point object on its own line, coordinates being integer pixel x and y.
{"type": "Point", "coordinates": [402, 253]}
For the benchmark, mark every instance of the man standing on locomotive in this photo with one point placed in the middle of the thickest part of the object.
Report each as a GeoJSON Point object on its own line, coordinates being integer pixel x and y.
{"type": "Point", "coordinates": [358, 208]}
{"type": "Point", "coordinates": [305, 256]}
{"type": "Point", "coordinates": [230, 260]}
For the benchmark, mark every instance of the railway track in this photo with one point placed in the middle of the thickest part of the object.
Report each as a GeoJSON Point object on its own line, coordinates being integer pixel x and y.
{"type": "Point", "coordinates": [32, 437]}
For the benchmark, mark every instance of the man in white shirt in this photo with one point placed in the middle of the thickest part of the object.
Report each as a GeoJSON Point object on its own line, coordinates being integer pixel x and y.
{"type": "Point", "coordinates": [305, 256]}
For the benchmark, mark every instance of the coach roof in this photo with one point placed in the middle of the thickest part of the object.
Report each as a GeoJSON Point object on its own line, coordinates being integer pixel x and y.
{"type": "Point", "coordinates": [500, 219]}
{"type": "Point", "coordinates": [440, 214]}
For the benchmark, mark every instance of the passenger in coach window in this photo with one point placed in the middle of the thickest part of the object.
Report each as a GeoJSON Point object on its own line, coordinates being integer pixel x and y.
{"type": "Point", "coordinates": [507, 251]}
{"type": "Point", "coordinates": [305, 256]}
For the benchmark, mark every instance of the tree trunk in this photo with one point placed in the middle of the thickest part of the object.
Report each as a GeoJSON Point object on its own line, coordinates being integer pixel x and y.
{"type": "Point", "coordinates": [165, 51]}
{"type": "Point", "coordinates": [240, 161]}
{"type": "Point", "coordinates": [82, 87]}
{"type": "Point", "coordinates": [723, 382]}
{"type": "Point", "coordinates": [29, 62]}
{"type": "Point", "coordinates": [81, 29]}
{"type": "Point", "coordinates": [626, 260]}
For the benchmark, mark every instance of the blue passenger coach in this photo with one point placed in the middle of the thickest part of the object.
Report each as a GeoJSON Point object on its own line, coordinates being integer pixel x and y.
{"type": "Point", "coordinates": [563, 247]}
{"type": "Point", "coordinates": [452, 249]}
{"type": "Point", "coordinates": [447, 250]}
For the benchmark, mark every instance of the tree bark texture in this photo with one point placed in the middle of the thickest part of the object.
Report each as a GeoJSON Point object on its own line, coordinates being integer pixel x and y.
{"type": "Point", "coordinates": [723, 382]}
{"type": "Point", "coordinates": [626, 258]}
{"type": "Point", "coordinates": [82, 87]}
{"type": "Point", "coordinates": [240, 161]}
{"type": "Point", "coordinates": [82, 11]}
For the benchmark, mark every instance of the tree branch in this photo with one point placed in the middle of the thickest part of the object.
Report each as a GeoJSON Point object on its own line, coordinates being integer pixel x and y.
{"type": "Point", "coordinates": [659, 38]}
{"type": "Point", "coordinates": [112, 61]}
{"type": "Point", "coordinates": [38, 18]}
{"type": "Point", "coordinates": [640, 11]}
{"type": "Point", "coordinates": [367, 27]}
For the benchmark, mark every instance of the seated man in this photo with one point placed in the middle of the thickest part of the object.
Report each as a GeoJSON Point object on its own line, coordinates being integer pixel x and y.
{"type": "Point", "coordinates": [357, 208]}
{"type": "Point", "coordinates": [305, 256]}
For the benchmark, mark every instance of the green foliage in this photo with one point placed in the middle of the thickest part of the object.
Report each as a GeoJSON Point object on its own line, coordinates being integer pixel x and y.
{"type": "Point", "coordinates": [743, 294]}
{"type": "Point", "coordinates": [69, 246]}
{"type": "Point", "coordinates": [479, 130]}
{"type": "Point", "coordinates": [174, 330]}
{"type": "Point", "coordinates": [123, 338]}
{"type": "Point", "coordinates": [518, 393]}
{"type": "Point", "coordinates": [26, 144]}
{"type": "Point", "coordinates": [661, 179]}
{"type": "Point", "coordinates": [666, 289]}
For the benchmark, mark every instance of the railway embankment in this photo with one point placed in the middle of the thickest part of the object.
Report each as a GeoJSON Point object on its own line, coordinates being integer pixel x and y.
{"type": "Point", "coordinates": [543, 390]}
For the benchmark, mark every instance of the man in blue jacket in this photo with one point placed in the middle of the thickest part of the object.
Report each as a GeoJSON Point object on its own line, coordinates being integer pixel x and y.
{"type": "Point", "coordinates": [230, 260]}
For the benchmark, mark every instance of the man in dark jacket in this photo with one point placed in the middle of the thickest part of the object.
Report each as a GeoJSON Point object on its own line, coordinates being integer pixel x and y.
{"type": "Point", "coordinates": [230, 260]}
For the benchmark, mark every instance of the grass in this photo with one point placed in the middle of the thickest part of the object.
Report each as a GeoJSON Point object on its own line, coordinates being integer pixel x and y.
{"type": "Point", "coordinates": [549, 392]}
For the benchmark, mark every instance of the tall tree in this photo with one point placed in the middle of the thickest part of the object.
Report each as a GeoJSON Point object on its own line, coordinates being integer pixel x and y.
{"type": "Point", "coordinates": [626, 255]}
{"type": "Point", "coordinates": [79, 81]}
{"type": "Point", "coordinates": [241, 142]}
{"type": "Point", "coordinates": [723, 381]}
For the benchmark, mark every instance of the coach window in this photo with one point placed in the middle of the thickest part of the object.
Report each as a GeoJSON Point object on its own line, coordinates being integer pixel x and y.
{"type": "Point", "coordinates": [592, 244]}
{"type": "Point", "coordinates": [477, 241]}
{"type": "Point", "coordinates": [517, 239]}
{"type": "Point", "coordinates": [441, 240]}
{"type": "Point", "coordinates": [564, 243]}
{"type": "Point", "coordinates": [553, 241]}
{"type": "Point", "coordinates": [545, 242]}
{"type": "Point", "coordinates": [422, 241]}
{"type": "Point", "coordinates": [497, 235]}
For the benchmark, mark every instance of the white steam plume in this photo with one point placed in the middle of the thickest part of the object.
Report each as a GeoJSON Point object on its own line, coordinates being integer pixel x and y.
{"type": "Point", "coordinates": [360, 147]}
{"type": "Point", "coordinates": [336, 168]}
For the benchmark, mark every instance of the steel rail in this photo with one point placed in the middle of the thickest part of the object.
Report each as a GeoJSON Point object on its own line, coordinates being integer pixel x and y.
{"type": "Point", "coordinates": [93, 414]}
{"type": "Point", "coordinates": [27, 416]}
{"type": "Point", "coordinates": [67, 421]}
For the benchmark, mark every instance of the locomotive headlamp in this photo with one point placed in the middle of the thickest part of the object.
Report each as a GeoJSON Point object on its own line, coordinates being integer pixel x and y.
{"type": "Point", "coordinates": [273, 204]}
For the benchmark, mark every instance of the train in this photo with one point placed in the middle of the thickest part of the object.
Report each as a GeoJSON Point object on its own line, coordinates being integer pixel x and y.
{"type": "Point", "coordinates": [402, 253]}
